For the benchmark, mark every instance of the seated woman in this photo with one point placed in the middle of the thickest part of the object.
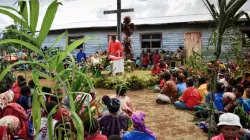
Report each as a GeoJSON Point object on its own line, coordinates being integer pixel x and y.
{"type": "Point", "coordinates": [24, 98]}
{"type": "Point", "coordinates": [162, 83]}
{"type": "Point", "coordinates": [126, 105]}
{"type": "Point", "coordinates": [105, 111]}
{"type": "Point", "coordinates": [181, 85]}
{"type": "Point", "coordinates": [202, 89]}
{"type": "Point", "coordinates": [5, 98]}
{"type": "Point", "coordinates": [17, 89]}
{"type": "Point", "coordinates": [61, 128]}
{"type": "Point", "coordinates": [155, 70]}
{"type": "Point", "coordinates": [190, 98]}
{"type": "Point", "coordinates": [162, 66]}
{"type": "Point", "coordinates": [43, 133]}
{"type": "Point", "coordinates": [9, 126]}
{"type": "Point", "coordinates": [113, 124]}
{"type": "Point", "coordinates": [140, 132]}
{"type": "Point", "coordinates": [218, 97]}
{"type": "Point", "coordinates": [92, 127]}
{"type": "Point", "coordinates": [14, 109]}
{"type": "Point", "coordinates": [169, 92]}
{"type": "Point", "coordinates": [229, 102]}
{"type": "Point", "coordinates": [229, 126]}
{"type": "Point", "coordinates": [238, 90]}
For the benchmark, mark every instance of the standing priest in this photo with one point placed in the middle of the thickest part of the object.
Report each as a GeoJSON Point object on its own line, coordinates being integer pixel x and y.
{"type": "Point", "coordinates": [115, 49]}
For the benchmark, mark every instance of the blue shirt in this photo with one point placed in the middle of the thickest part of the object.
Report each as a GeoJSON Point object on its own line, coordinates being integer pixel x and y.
{"type": "Point", "coordinates": [241, 101]}
{"type": "Point", "coordinates": [137, 135]}
{"type": "Point", "coordinates": [218, 101]}
{"type": "Point", "coordinates": [208, 97]}
{"type": "Point", "coordinates": [79, 57]}
{"type": "Point", "coordinates": [246, 106]}
{"type": "Point", "coordinates": [181, 87]}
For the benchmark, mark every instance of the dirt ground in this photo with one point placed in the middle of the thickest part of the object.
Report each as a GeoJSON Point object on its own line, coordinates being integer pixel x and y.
{"type": "Point", "coordinates": [164, 120]}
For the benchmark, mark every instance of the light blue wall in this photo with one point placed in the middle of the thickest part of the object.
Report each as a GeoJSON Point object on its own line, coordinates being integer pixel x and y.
{"type": "Point", "coordinates": [172, 37]}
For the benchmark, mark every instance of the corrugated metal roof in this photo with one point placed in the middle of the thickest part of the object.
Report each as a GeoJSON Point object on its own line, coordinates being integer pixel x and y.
{"type": "Point", "coordinates": [139, 21]}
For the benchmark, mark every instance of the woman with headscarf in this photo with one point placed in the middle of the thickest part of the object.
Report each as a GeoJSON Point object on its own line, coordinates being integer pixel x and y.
{"type": "Point", "coordinates": [140, 132]}
{"type": "Point", "coordinates": [114, 123]}
{"type": "Point", "coordinates": [9, 125]}
{"type": "Point", "coordinates": [16, 110]}
{"type": "Point", "coordinates": [5, 98]}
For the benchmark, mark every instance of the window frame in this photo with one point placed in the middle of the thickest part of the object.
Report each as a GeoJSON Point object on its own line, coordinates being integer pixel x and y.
{"type": "Point", "coordinates": [151, 34]}
{"type": "Point", "coordinates": [78, 37]}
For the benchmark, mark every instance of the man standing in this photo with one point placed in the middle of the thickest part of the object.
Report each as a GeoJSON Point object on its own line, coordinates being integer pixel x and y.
{"type": "Point", "coordinates": [115, 47]}
{"type": "Point", "coordinates": [80, 55]}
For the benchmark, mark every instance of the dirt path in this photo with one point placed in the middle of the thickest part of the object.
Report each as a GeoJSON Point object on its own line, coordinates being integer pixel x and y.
{"type": "Point", "coordinates": [167, 122]}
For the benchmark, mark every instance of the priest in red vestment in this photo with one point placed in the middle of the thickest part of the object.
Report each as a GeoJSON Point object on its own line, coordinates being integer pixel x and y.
{"type": "Point", "coordinates": [115, 47]}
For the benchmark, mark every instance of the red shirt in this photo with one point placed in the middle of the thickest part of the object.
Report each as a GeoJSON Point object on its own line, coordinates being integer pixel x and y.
{"type": "Point", "coordinates": [191, 97]}
{"type": "Point", "coordinates": [156, 58]}
{"type": "Point", "coordinates": [144, 60]}
{"type": "Point", "coordinates": [115, 48]}
{"type": "Point", "coordinates": [97, 137]}
{"type": "Point", "coordinates": [162, 83]}
{"type": "Point", "coordinates": [164, 67]}
{"type": "Point", "coordinates": [155, 70]}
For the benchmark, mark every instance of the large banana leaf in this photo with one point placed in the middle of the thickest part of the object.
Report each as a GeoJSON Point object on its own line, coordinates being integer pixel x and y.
{"type": "Point", "coordinates": [34, 15]}
{"type": "Point", "coordinates": [47, 22]}
{"type": "Point", "coordinates": [5, 71]}
{"type": "Point", "coordinates": [31, 38]}
{"type": "Point", "coordinates": [26, 44]}
{"type": "Point", "coordinates": [24, 10]}
{"type": "Point", "coordinates": [15, 18]}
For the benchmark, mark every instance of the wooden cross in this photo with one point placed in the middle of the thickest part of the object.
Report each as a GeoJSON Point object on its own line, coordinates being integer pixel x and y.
{"type": "Point", "coordinates": [119, 11]}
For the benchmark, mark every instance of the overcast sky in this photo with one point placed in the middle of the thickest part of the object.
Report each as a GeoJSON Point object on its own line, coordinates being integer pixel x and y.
{"type": "Point", "coordinates": [89, 10]}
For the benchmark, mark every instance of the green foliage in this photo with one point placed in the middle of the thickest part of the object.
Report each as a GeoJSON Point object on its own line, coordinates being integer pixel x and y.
{"type": "Point", "coordinates": [133, 82]}
{"type": "Point", "coordinates": [53, 67]}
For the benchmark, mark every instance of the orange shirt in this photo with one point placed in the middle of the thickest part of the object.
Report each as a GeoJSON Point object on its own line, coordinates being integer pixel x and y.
{"type": "Point", "coordinates": [115, 48]}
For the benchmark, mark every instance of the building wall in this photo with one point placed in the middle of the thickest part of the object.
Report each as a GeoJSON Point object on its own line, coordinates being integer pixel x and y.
{"type": "Point", "coordinates": [172, 37]}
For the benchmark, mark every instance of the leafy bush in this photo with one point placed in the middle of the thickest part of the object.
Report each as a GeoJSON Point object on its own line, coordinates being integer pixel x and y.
{"type": "Point", "coordinates": [133, 82]}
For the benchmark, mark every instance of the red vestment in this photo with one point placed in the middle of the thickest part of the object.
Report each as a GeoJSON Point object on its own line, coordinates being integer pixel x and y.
{"type": "Point", "coordinates": [115, 48]}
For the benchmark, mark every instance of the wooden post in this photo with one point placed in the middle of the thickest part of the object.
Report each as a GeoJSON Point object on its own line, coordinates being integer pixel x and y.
{"type": "Point", "coordinates": [119, 11]}
{"type": "Point", "coordinates": [119, 18]}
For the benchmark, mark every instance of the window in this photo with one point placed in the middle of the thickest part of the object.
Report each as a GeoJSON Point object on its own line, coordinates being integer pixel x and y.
{"type": "Point", "coordinates": [246, 43]}
{"type": "Point", "coordinates": [74, 38]}
{"type": "Point", "coordinates": [151, 40]}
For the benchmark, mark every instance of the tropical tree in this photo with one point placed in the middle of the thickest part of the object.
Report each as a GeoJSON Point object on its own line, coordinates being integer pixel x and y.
{"type": "Point", "coordinates": [53, 67]}
{"type": "Point", "coordinates": [226, 16]}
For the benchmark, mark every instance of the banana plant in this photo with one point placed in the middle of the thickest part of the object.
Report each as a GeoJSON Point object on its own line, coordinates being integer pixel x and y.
{"type": "Point", "coordinates": [54, 66]}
